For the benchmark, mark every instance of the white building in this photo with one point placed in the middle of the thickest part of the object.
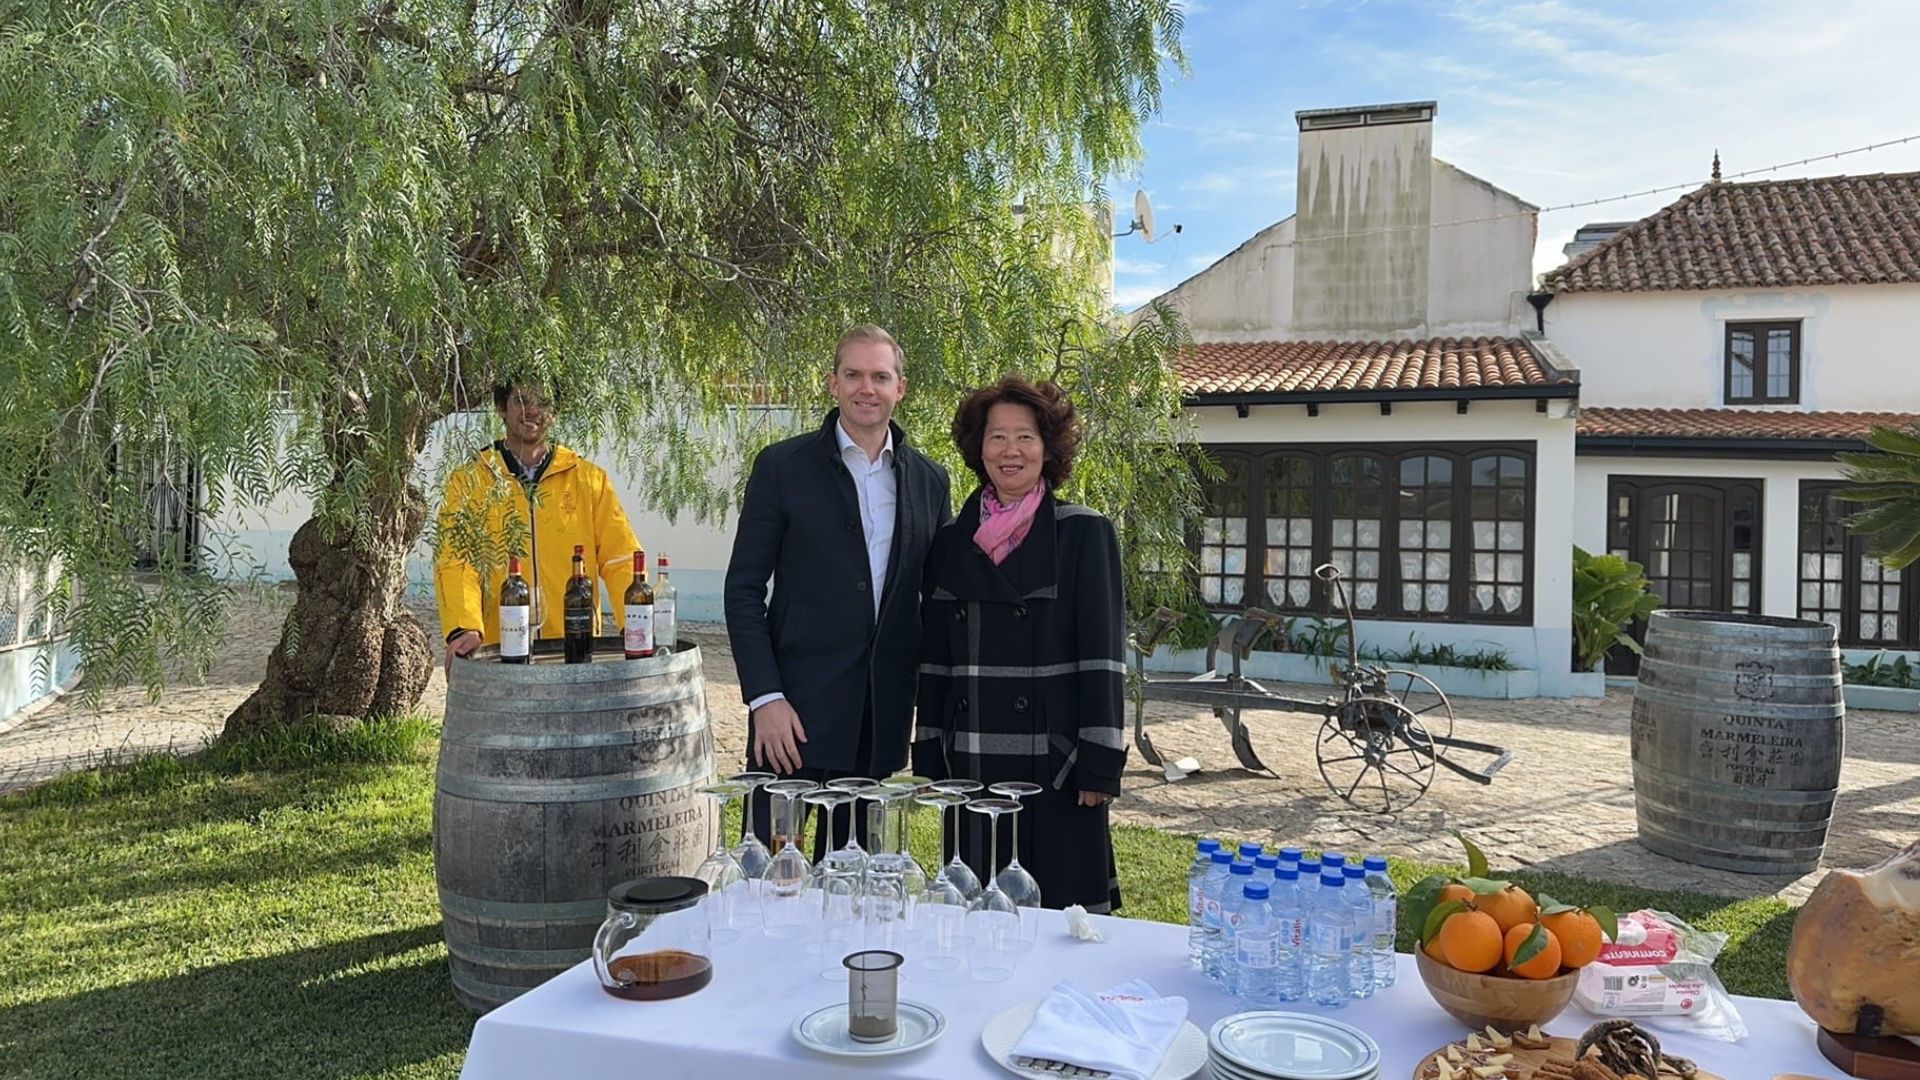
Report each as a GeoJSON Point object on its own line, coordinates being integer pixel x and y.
{"type": "Point", "coordinates": [1363, 376]}
{"type": "Point", "coordinates": [1729, 346]}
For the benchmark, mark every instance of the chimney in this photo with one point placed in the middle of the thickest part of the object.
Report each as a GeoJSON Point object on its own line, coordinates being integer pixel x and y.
{"type": "Point", "coordinates": [1363, 219]}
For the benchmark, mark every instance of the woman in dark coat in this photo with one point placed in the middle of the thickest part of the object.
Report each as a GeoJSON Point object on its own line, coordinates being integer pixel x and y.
{"type": "Point", "coordinates": [1023, 677]}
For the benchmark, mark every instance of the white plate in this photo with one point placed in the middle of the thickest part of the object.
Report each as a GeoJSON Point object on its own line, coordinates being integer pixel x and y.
{"type": "Point", "coordinates": [1185, 1058]}
{"type": "Point", "coordinates": [1295, 1046]}
{"type": "Point", "coordinates": [1219, 1069]}
{"type": "Point", "coordinates": [825, 1030]}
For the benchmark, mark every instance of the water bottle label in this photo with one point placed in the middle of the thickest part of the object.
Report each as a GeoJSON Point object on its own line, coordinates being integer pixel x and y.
{"type": "Point", "coordinates": [1328, 940]}
{"type": "Point", "coordinates": [1212, 911]}
{"type": "Point", "coordinates": [1384, 917]}
{"type": "Point", "coordinates": [1259, 955]}
{"type": "Point", "coordinates": [1196, 902]}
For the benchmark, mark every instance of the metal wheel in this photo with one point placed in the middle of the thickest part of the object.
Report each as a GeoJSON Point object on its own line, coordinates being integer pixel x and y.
{"type": "Point", "coordinates": [1376, 754]}
{"type": "Point", "coordinates": [1424, 699]}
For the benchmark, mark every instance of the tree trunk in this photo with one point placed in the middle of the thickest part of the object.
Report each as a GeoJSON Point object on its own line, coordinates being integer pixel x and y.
{"type": "Point", "coordinates": [350, 649]}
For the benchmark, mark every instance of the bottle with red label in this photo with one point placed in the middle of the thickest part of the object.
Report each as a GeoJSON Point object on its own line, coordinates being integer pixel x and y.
{"type": "Point", "coordinates": [637, 626]}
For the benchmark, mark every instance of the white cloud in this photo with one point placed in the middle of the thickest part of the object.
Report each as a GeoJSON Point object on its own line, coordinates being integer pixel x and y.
{"type": "Point", "coordinates": [1128, 297]}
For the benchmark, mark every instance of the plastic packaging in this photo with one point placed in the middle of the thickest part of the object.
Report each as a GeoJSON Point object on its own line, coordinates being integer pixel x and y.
{"type": "Point", "coordinates": [1660, 973]}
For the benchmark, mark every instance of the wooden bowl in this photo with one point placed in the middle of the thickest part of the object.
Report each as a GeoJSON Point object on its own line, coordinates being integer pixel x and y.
{"type": "Point", "coordinates": [1508, 1004]}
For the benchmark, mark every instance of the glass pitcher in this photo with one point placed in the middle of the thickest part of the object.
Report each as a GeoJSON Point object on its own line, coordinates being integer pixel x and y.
{"type": "Point", "coordinates": [657, 941]}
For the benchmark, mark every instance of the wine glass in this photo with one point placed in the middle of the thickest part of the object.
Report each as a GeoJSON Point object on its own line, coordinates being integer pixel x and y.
{"type": "Point", "coordinates": [993, 922]}
{"type": "Point", "coordinates": [752, 853]}
{"type": "Point", "coordinates": [893, 857]}
{"type": "Point", "coordinates": [854, 785]}
{"type": "Point", "coordinates": [957, 870]}
{"type": "Point", "coordinates": [784, 886]}
{"type": "Point", "coordinates": [940, 916]}
{"type": "Point", "coordinates": [726, 900]}
{"type": "Point", "coordinates": [1014, 880]}
{"type": "Point", "coordinates": [842, 932]}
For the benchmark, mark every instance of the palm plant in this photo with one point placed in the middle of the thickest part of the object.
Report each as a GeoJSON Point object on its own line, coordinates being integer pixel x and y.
{"type": "Point", "coordinates": [1889, 480]}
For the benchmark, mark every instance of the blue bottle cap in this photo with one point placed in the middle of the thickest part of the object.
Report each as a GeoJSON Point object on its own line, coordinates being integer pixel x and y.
{"type": "Point", "coordinates": [1256, 890]}
{"type": "Point", "coordinates": [1250, 850]}
{"type": "Point", "coordinates": [1267, 862]}
{"type": "Point", "coordinates": [1376, 862]}
{"type": "Point", "coordinates": [1290, 854]}
{"type": "Point", "coordinates": [1243, 868]}
{"type": "Point", "coordinates": [1287, 872]}
{"type": "Point", "coordinates": [1354, 873]}
{"type": "Point", "coordinates": [1329, 877]}
{"type": "Point", "coordinates": [1222, 858]}
{"type": "Point", "coordinates": [1332, 858]}
{"type": "Point", "coordinates": [1207, 844]}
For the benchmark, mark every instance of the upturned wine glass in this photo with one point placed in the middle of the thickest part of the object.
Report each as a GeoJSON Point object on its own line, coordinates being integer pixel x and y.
{"type": "Point", "coordinates": [728, 901]}
{"type": "Point", "coordinates": [783, 890]}
{"type": "Point", "coordinates": [1013, 879]}
{"type": "Point", "coordinates": [957, 870]}
{"type": "Point", "coordinates": [751, 851]}
{"type": "Point", "coordinates": [993, 922]}
{"type": "Point", "coordinates": [941, 915]}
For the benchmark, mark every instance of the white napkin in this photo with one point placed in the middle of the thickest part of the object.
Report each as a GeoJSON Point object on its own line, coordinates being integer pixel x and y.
{"type": "Point", "coordinates": [1125, 1031]}
{"type": "Point", "coordinates": [1079, 925]}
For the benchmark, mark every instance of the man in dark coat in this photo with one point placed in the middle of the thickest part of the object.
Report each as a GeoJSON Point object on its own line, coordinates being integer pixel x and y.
{"type": "Point", "coordinates": [840, 520]}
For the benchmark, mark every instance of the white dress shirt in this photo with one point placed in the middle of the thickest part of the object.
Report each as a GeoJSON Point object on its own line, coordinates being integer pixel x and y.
{"type": "Point", "coordinates": [874, 483]}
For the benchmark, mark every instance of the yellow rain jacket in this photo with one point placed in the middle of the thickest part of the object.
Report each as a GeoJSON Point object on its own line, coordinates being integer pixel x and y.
{"type": "Point", "coordinates": [573, 502]}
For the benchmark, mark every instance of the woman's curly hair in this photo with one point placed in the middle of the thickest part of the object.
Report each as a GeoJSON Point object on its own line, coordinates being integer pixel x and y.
{"type": "Point", "coordinates": [1054, 412]}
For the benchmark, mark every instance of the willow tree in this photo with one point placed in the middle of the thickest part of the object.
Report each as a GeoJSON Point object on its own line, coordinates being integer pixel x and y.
{"type": "Point", "coordinates": [268, 245]}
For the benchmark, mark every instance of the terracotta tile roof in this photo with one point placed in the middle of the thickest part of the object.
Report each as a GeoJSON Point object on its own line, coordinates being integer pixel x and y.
{"type": "Point", "coordinates": [1827, 230]}
{"type": "Point", "coordinates": [1330, 368]}
{"type": "Point", "coordinates": [1735, 424]}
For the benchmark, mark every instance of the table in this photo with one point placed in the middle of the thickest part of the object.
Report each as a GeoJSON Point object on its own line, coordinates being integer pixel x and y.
{"type": "Point", "coordinates": [738, 1027]}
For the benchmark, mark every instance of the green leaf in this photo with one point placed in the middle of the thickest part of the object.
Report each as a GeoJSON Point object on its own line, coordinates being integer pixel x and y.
{"type": "Point", "coordinates": [1484, 886]}
{"type": "Point", "coordinates": [1550, 906]}
{"type": "Point", "coordinates": [1419, 900]}
{"type": "Point", "coordinates": [1531, 947]}
{"type": "Point", "coordinates": [1438, 916]}
{"type": "Point", "coordinates": [1609, 922]}
{"type": "Point", "coordinates": [1476, 859]}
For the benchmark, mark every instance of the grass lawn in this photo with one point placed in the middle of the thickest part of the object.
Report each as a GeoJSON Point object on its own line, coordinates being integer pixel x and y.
{"type": "Point", "coordinates": [271, 912]}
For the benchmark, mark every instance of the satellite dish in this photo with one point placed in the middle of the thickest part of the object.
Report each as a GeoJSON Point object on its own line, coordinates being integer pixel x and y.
{"type": "Point", "coordinates": [1143, 214]}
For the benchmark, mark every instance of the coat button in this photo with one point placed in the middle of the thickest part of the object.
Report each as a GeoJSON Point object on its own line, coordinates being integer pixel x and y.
{"type": "Point", "coordinates": [959, 614]}
{"type": "Point", "coordinates": [960, 704]}
{"type": "Point", "coordinates": [851, 525]}
{"type": "Point", "coordinates": [1019, 704]}
{"type": "Point", "coordinates": [860, 585]}
{"type": "Point", "coordinates": [1020, 612]}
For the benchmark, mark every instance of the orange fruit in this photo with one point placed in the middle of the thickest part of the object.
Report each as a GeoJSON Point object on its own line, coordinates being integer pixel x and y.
{"type": "Point", "coordinates": [1579, 935]}
{"type": "Point", "coordinates": [1432, 949]}
{"type": "Point", "coordinates": [1455, 891]}
{"type": "Point", "coordinates": [1470, 940]}
{"type": "Point", "coordinates": [1509, 907]}
{"type": "Point", "coordinates": [1545, 963]}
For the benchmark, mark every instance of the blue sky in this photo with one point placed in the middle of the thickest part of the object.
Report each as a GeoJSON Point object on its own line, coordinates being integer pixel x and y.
{"type": "Point", "coordinates": [1554, 101]}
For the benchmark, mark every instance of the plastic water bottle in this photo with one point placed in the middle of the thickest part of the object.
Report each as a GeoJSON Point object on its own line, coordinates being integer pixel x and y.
{"type": "Point", "coordinates": [1256, 949]}
{"type": "Point", "coordinates": [1211, 888]}
{"type": "Point", "coordinates": [1329, 934]}
{"type": "Point", "coordinates": [1290, 855]}
{"type": "Point", "coordinates": [1386, 920]}
{"type": "Point", "coordinates": [1309, 873]}
{"type": "Point", "coordinates": [1360, 949]}
{"type": "Point", "coordinates": [1290, 926]}
{"type": "Point", "coordinates": [1331, 859]}
{"type": "Point", "coordinates": [1196, 912]}
{"type": "Point", "coordinates": [1263, 869]}
{"type": "Point", "coordinates": [1249, 851]}
{"type": "Point", "coordinates": [1219, 965]}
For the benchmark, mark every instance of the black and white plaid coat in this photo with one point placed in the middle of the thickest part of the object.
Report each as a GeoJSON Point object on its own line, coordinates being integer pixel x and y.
{"type": "Point", "coordinates": [1022, 678]}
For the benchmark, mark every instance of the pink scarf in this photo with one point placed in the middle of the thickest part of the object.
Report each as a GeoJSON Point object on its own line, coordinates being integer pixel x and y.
{"type": "Point", "coordinates": [1003, 527]}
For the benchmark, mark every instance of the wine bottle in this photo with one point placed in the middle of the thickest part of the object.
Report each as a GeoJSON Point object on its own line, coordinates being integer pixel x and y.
{"type": "Point", "coordinates": [516, 609]}
{"type": "Point", "coordinates": [579, 610]}
{"type": "Point", "coordinates": [638, 636]}
{"type": "Point", "coordinates": [666, 602]}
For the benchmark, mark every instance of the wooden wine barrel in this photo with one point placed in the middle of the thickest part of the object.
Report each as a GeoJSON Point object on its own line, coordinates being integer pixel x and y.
{"type": "Point", "coordinates": [557, 782]}
{"type": "Point", "coordinates": [1739, 729]}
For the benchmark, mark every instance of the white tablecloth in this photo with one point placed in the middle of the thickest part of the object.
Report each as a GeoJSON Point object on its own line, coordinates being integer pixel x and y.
{"type": "Point", "coordinates": [739, 1026]}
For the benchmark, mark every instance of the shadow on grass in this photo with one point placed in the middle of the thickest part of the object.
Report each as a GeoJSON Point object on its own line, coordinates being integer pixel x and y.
{"type": "Point", "coordinates": [356, 1007]}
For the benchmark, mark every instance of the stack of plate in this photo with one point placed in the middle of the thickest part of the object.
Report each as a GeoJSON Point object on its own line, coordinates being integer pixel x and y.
{"type": "Point", "coordinates": [1289, 1046]}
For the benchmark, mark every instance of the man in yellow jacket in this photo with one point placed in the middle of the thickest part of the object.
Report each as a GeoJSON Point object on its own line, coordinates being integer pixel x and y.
{"type": "Point", "coordinates": [525, 496]}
